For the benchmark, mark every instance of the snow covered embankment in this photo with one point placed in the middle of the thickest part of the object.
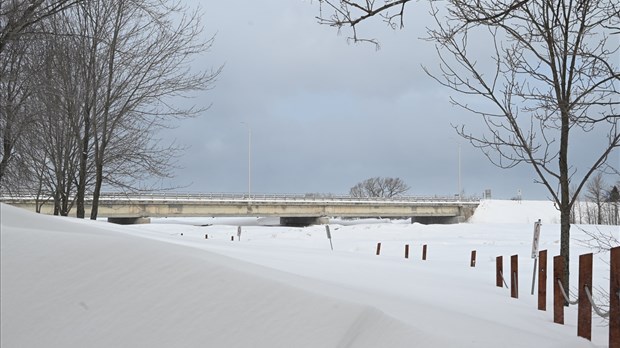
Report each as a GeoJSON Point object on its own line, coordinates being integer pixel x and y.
{"type": "Point", "coordinates": [68, 283]}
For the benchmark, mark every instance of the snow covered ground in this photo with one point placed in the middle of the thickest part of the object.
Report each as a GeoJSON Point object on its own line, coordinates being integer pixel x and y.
{"type": "Point", "coordinates": [72, 283]}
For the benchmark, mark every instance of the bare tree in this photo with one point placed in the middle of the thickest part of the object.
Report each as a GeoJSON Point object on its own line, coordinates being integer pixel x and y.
{"type": "Point", "coordinates": [18, 21]}
{"type": "Point", "coordinates": [595, 192]}
{"type": "Point", "coordinates": [552, 75]}
{"type": "Point", "coordinates": [111, 74]}
{"type": "Point", "coordinates": [15, 89]}
{"type": "Point", "coordinates": [64, 97]}
{"type": "Point", "coordinates": [379, 187]}
{"type": "Point", "coordinates": [147, 53]}
{"type": "Point", "coordinates": [16, 16]}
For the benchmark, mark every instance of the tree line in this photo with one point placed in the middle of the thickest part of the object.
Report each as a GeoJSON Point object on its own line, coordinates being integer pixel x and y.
{"type": "Point", "coordinates": [600, 204]}
{"type": "Point", "coordinates": [85, 86]}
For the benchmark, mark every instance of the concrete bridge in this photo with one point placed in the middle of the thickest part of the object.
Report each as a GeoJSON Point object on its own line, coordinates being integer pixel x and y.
{"type": "Point", "coordinates": [292, 209]}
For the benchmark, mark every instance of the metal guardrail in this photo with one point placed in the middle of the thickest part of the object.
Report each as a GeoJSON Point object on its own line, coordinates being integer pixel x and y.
{"type": "Point", "coordinates": [233, 197]}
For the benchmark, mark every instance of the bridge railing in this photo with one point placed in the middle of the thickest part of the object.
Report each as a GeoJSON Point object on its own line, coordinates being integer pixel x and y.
{"type": "Point", "coordinates": [193, 196]}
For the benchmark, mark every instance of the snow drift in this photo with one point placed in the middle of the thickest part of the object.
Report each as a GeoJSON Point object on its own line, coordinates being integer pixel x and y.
{"type": "Point", "coordinates": [68, 284]}
{"type": "Point", "coordinates": [73, 283]}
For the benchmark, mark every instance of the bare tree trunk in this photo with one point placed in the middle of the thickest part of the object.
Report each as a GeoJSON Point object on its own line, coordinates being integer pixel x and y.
{"type": "Point", "coordinates": [565, 243]}
{"type": "Point", "coordinates": [81, 186]}
{"type": "Point", "coordinates": [97, 190]}
{"type": "Point", "coordinates": [92, 33]}
{"type": "Point", "coordinates": [565, 194]}
{"type": "Point", "coordinates": [56, 202]}
{"type": "Point", "coordinates": [7, 151]}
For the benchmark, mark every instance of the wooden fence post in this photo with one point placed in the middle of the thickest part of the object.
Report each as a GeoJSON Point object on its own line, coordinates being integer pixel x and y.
{"type": "Point", "coordinates": [472, 262]}
{"type": "Point", "coordinates": [514, 276]}
{"type": "Point", "coordinates": [499, 270]}
{"type": "Point", "coordinates": [206, 236]}
{"type": "Point", "coordinates": [406, 251]}
{"type": "Point", "coordinates": [542, 280]}
{"type": "Point", "coordinates": [558, 299]}
{"type": "Point", "coordinates": [378, 248]}
{"type": "Point", "coordinates": [614, 298]}
{"type": "Point", "coordinates": [584, 309]}
{"type": "Point", "coordinates": [424, 252]}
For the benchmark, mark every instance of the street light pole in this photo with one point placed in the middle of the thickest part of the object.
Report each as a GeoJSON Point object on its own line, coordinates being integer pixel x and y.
{"type": "Point", "coordinates": [460, 187]}
{"type": "Point", "coordinates": [249, 159]}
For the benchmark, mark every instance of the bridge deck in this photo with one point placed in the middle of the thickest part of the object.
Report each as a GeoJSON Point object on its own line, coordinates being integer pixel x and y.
{"type": "Point", "coordinates": [193, 205]}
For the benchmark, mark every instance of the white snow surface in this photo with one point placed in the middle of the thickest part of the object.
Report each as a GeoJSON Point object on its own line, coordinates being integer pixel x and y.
{"type": "Point", "coordinates": [73, 283]}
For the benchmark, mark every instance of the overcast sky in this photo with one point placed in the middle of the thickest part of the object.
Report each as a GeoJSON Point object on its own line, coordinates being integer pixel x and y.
{"type": "Point", "coordinates": [325, 114]}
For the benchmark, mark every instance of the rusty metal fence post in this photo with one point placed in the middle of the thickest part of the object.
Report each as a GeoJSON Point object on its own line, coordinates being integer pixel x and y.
{"type": "Point", "coordinates": [499, 270]}
{"type": "Point", "coordinates": [406, 251]}
{"type": "Point", "coordinates": [542, 280]}
{"type": "Point", "coordinates": [614, 298]}
{"type": "Point", "coordinates": [514, 276]}
{"type": "Point", "coordinates": [584, 309]}
{"type": "Point", "coordinates": [472, 262]}
{"type": "Point", "coordinates": [558, 299]}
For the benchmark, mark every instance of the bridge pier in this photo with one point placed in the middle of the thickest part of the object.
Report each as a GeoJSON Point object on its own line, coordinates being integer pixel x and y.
{"type": "Point", "coordinates": [129, 220]}
{"type": "Point", "coordinates": [303, 221]}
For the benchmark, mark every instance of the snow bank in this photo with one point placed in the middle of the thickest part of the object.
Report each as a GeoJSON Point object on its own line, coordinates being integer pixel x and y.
{"type": "Point", "coordinates": [509, 212]}
{"type": "Point", "coordinates": [73, 283]}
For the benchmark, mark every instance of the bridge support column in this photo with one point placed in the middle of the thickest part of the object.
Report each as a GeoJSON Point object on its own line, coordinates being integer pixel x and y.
{"type": "Point", "coordinates": [129, 220]}
{"type": "Point", "coordinates": [303, 221]}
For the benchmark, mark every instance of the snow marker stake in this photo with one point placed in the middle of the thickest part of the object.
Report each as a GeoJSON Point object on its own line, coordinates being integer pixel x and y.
{"type": "Point", "coordinates": [558, 299]}
{"type": "Point", "coordinates": [472, 262]}
{"type": "Point", "coordinates": [535, 243]}
{"type": "Point", "coordinates": [424, 252]}
{"type": "Point", "coordinates": [378, 248]}
{"type": "Point", "coordinates": [499, 269]}
{"type": "Point", "coordinates": [614, 298]}
{"type": "Point", "coordinates": [329, 236]}
{"type": "Point", "coordinates": [542, 280]}
{"type": "Point", "coordinates": [514, 280]}
{"type": "Point", "coordinates": [584, 308]}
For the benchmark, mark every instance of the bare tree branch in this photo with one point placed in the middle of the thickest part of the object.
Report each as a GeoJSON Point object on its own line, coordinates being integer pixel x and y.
{"type": "Point", "coordinates": [347, 13]}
